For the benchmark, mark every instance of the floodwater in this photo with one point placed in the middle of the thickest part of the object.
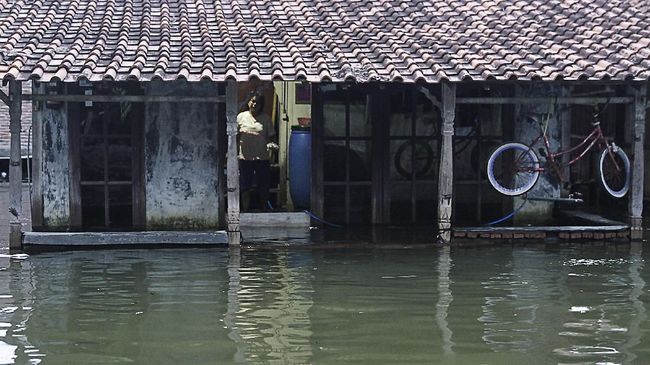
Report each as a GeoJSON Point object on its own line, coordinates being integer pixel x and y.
{"type": "Point", "coordinates": [552, 304]}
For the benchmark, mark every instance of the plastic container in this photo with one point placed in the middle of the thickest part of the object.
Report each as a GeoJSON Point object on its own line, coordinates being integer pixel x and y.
{"type": "Point", "coordinates": [300, 167]}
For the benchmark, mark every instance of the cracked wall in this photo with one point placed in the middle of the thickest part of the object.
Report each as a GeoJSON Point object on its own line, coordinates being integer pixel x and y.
{"type": "Point", "coordinates": [55, 183]}
{"type": "Point", "coordinates": [181, 159]}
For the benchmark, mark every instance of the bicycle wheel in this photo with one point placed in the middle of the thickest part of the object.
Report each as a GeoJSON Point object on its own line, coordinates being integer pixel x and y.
{"type": "Point", "coordinates": [423, 159]}
{"type": "Point", "coordinates": [614, 171]}
{"type": "Point", "coordinates": [513, 169]}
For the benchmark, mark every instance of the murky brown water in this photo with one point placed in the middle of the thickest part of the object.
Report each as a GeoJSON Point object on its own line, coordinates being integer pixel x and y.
{"type": "Point", "coordinates": [580, 304]}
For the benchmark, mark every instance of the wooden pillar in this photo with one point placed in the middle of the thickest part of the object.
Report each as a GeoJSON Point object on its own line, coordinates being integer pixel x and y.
{"type": "Point", "coordinates": [446, 171]}
{"type": "Point", "coordinates": [15, 167]}
{"type": "Point", "coordinates": [232, 165]}
{"type": "Point", "coordinates": [37, 160]}
{"type": "Point", "coordinates": [565, 134]}
{"type": "Point", "coordinates": [637, 124]}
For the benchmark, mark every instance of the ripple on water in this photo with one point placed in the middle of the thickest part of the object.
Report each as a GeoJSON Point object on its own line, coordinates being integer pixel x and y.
{"type": "Point", "coordinates": [7, 353]}
{"type": "Point", "coordinates": [586, 351]}
{"type": "Point", "coordinates": [597, 262]}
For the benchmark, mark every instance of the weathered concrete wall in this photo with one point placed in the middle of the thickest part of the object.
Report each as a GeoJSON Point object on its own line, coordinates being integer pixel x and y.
{"type": "Point", "coordinates": [181, 159]}
{"type": "Point", "coordinates": [54, 170]}
{"type": "Point", "coordinates": [526, 130]}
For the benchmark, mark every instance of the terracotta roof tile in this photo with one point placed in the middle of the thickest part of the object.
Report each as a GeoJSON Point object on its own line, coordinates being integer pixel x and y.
{"type": "Point", "coordinates": [333, 40]}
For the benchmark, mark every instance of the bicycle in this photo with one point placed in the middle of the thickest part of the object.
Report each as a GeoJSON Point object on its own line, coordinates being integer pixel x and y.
{"type": "Point", "coordinates": [514, 168]}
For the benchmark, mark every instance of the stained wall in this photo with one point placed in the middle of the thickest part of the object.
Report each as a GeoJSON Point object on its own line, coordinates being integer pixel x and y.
{"type": "Point", "coordinates": [181, 159]}
{"type": "Point", "coordinates": [55, 182]}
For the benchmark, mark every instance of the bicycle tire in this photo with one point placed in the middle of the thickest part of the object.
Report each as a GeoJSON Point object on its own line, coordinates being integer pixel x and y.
{"type": "Point", "coordinates": [428, 160]}
{"type": "Point", "coordinates": [615, 182]}
{"type": "Point", "coordinates": [522, 179]}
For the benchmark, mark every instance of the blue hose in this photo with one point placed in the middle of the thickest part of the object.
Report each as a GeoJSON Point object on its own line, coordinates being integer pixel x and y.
{"type": "Point", "coordinates": [268, 203]}
{"type": "Point", "coordinates": [505, 218]}
{"type": "Point", "coordinates": [322, 220]}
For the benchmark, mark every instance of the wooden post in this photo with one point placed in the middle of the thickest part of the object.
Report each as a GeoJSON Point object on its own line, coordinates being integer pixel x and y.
{"type": "Point", "coordinates": [638, 115]}
{"type": "Point", "coordinates": [37, 161]}
{"type": "Point", "coordinates": [446, 171]}
{"type": "Point", "coordinates": [565, 134]}
{"type": "Point", "coordinates": [15, 167]}
{"type": "Point", "coordinates": [232, 165]}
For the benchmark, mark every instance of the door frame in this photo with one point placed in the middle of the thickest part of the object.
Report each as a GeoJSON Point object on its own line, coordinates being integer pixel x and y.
{"type": "Point", "coordinates": [72, 111]}
{"type": "Point", "coordinates": [378, 105]}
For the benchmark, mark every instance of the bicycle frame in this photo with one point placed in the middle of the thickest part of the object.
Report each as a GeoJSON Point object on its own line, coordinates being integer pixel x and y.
{"type": "Point", "coordinates": [595, 137]}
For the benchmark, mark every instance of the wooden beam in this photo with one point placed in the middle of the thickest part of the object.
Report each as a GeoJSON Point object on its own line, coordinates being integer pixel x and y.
{"type": "Point", "coordinates": [4, 98]}
{"type": "Point", "coordinates": [545, 100]}
{"type": "Point", "coordinates": [73, 112]}
{"type": "Point", "coordinates": [37, 166]}
{"type": "Point", "coordinates": [446, 171]}
{"type": "Point", "coordinates": [317, 131]}
{"type": "Point", "coordinates": [565, 136]}
{"type": "Point", "coordinates": [15, 167]}
{"type": "Point", "coordinates": [637, 123]}
{"type": "Point", "coordinates": [232, 165]}
{"type": "Point", "coordinates": [221, 99]}
{"type": "Point", "coordinates": [127, 98]}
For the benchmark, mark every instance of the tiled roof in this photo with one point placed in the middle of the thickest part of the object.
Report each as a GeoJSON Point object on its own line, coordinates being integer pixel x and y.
{"type": "Point", "coordinates": [316, 40]}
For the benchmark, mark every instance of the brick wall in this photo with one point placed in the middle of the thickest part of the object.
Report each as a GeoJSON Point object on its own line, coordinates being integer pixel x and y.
{"type": "Point", "coordinates": [4, 213]}
{"type": "Point", "coordinates": [26, 122]}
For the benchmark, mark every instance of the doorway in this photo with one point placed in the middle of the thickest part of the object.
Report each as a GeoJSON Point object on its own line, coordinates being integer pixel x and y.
{"type": "Point", "coordinates": [376, 148]}
{"type": "Point", "coordinates": [107, 187]}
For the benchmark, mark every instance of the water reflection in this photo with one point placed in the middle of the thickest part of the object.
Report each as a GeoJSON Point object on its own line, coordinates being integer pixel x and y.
{"type": "Point", "coordinates": [374, 305]}
{"type": "Point", "coordinates": [268, 304]}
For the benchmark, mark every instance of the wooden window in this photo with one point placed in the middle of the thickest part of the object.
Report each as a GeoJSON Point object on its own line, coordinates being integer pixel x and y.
{"type": "Point", "coordinates": [107, 184]}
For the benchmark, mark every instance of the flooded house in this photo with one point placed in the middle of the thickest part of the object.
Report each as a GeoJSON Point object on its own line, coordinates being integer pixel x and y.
{"type": "Point", "coordinates": [400, 108]}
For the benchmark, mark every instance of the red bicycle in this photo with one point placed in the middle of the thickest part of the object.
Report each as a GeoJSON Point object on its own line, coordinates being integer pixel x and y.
{"type": "Point", "coordinates": [514, 168]}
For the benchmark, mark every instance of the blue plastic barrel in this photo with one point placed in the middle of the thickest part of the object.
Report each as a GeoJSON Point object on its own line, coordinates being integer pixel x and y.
{"type": "Point", "coordinates": [300, 168]}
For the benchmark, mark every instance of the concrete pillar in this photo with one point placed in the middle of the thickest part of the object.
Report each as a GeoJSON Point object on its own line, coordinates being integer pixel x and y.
{"type": "Point", "coordinates": [637, 124]}
{"type": "Point", "coordinates": [526, 129]}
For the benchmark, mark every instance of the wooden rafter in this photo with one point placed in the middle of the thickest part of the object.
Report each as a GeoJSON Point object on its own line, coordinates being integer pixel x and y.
{"type": "Point", "coordinates": [545, 100]}
{"type": "Point", "coordinates": [4, 98]}
{"type": "Point", "coordinates": [127, 98]}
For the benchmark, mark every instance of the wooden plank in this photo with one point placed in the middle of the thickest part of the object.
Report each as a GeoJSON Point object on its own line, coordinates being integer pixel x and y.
{"type": "Point", "coordinates": [15, 166]}
{"type": "Point", "coordinates": [37, 166]}
{"type": "Point", "coordinates": [232, 165]}
{"type": "Point", "coordinates": [73, 111]}
{"type": "Point", "coordinates": [638, 164]}
{"type": "Point", "coordinates": [548, 229]}
{"type": "Point", "coordinates": [589, 218]}
{"type": "Point", "coordinates": [544, 100]}
{"type": "Point", "coordinates": [125, 238]}
{"type": "Point", "coordinates": [138, 187]}
{"type": "Point", "coordinates": [276, 235]}
{"type": "Point", "coordinates": [446, 176]}
{"type": "Point", "coordinates": [127, 98]}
